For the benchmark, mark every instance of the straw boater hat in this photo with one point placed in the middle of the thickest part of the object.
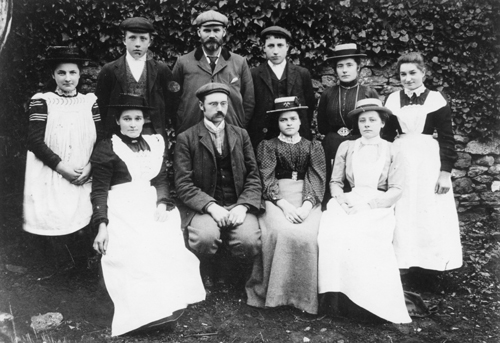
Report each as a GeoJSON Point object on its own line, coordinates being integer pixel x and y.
{"type": "Point", "coordinates": [346, 51]}
{"type": "Point", "coordinates": [130, 101]}
{"type": "Point", "coordinates": [63, 54]}
{"type": "Point", "coordinates": [289, 103]}
{"type": "Point", "coordinates": [370, 104]}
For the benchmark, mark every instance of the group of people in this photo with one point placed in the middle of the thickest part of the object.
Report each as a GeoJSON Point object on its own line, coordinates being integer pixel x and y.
{"type": "Point", "coordinates": [309, 219]}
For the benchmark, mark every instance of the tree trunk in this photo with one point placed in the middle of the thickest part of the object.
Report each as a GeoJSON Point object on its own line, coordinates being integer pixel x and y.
{"type": "Point", "coordinates": [5, 21]}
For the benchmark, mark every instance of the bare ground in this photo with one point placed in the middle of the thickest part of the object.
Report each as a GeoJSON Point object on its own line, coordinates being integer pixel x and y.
{"type": "Point", "coordinates": [465, 304]}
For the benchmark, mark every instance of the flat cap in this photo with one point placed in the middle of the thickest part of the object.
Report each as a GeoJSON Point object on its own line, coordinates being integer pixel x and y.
{"type": "Point", "coordinates": [213, 87]}
{"type": "Point", "coordinates": [137, 24]}
{"type": "Point", "coordinates": [211, 18]}
{"type": "Point", "coordinates": [276, 30]}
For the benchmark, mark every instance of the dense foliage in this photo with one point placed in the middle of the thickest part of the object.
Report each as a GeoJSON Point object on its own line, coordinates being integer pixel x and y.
{"type": "Point", "coordinates": [458, 38]}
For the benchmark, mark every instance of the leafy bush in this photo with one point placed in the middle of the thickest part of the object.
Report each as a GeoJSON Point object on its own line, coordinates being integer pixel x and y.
{"type": "Point", "coordinates": [457, 38]}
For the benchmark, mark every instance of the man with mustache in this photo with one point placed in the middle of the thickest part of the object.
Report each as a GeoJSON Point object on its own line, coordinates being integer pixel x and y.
{"type": "Point", "coordinates": [217, 182]}
{"type": "Point", "coordinates": [211, 62]}
{"type": "Point", "coordinates": [137, 73]}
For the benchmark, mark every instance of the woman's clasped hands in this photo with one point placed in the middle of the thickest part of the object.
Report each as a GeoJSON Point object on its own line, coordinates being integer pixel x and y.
{"type": "Point", "coordinates": [294, 214]}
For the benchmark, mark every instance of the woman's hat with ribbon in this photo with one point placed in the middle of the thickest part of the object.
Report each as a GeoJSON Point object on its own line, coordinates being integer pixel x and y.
{"type": "Point", "coordinates": [62, 54]}
{"type": "Point", "coordinates": [370, 104]}
{"type": "Point", "coordinates": [285, 104]}
{"type": "Point", "coordinates": [346, 51]}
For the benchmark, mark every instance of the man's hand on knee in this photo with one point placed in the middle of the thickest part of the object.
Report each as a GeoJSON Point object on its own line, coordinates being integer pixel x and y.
{"type": "Point", "coordinates": [237, 215]}
{"type": "Point", "coordinates": [219, 214]}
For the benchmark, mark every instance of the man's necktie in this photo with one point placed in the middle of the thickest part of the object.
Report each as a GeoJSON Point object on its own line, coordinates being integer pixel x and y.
{"type": "Point", "coordinates": [213, 59]}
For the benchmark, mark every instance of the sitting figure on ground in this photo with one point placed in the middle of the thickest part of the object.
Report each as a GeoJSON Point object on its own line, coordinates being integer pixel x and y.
{"type": "Point", "coordinates": [149, 274]}
{"type": "Point", "coordinates": [217, 182]}
{"type": "Point", "coordinates": [356, 256]}
{"type": "Point", "coordinates": [293, 174]}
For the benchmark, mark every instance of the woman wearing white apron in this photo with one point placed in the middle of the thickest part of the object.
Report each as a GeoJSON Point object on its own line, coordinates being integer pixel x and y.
{"type": "Point", "coordinates": [149, 274]}
{"type": "Point", "coordinates": [427, 233]}
{"type": "Point", "coordinates": [64, 126]}
{"type": "Point", "coordinates": [356, 257]}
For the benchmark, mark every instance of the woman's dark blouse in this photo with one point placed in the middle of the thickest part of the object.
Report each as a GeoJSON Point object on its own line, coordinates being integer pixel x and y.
{"type": "Point", "coordinates": [38, 114]}
{"type": "Point", "coordinates": [439, 121]}
{"type": "Point", "coordinates": [109, 170]}
{"type": "Point", "coordinates": [329, 119]}
{"type": "Point", "coordinates": [303, 157]}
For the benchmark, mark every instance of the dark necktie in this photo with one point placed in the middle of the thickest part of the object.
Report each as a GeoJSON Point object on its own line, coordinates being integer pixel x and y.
{"type": "Point", "coordinates": [213, 59]}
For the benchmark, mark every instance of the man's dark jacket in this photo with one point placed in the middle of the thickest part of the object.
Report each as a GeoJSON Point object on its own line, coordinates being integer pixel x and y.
{"type": "Point", "coordinates": [160, 94]}
{"type": "Point", "coordinates": [299, 84]}
{"type": "Point", "coordinates": [195, 170]}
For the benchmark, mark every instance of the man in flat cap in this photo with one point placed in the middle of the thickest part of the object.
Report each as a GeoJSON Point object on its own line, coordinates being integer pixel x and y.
{"type": "Point", "coordinates": [278, 78]}
{"type": "Point", "coordinates": [138, 73]}
{"type": "Point", "coordinates": [217, 181]}
{"type": "Point", "coordinates": [211, 62]}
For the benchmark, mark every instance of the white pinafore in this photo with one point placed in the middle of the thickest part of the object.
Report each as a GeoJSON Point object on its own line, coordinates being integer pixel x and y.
{"type": "Point", "coordinates": [52, 205]}
{"type": "Point", "coordinates": [148, 271]}
{"type": "Point", "coordinates": [356, 256]}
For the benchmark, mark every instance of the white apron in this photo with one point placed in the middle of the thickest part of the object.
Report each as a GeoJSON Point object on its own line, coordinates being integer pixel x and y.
{"type": "Point", "coordinates": [356, 256]}
{"type": "Point", "coordinates": [52, 205]}
{"type": "Point", "coordinates": [148, 271]}
{"type": "Point", "coordinates": [427, 232]}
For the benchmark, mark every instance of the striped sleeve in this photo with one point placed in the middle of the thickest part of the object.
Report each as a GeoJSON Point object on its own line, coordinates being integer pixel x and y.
{"type": "Point", "coordinates": [36, 133]}
{"type": "Point", "coordinates": [95, 112]}
{"type": "Point", "coordinates": [38, 110]}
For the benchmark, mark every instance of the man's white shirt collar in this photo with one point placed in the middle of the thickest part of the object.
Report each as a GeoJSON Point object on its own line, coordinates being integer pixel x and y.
{"type": "Point", "coordinates": [217, 54]}
{"type": "Point", "coordinates": [278, 69]}
{"type": "Point", "coordinates": [136, 65]}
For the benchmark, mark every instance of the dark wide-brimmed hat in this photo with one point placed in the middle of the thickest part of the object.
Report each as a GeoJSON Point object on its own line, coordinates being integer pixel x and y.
{"type": "Point", "coordinates": [212, 87]}
{"type": "Point", "coordinates": [276, 30]}
{"type": "Point", "coordinates": [346, 51]}
{"type": "Point", "coordinates": [285, 104]}
{"type": "Point", "coordinates": [61, 54]}
{"type": "Point", "coordinates": [211, 18]}
{"type": "Point", "coordinates": [130, 101]}
{"type": "Point", "coordinates": [137, 25]}
{"type": "Point", "coordinates": [370, 104]}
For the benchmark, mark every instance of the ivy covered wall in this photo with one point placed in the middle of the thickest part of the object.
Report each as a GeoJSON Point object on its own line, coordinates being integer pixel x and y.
{"type": "Point", "coordinates": [459, 39]}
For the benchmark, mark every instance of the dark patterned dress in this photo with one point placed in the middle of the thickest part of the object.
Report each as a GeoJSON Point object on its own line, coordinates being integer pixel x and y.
{"type": "Point", "coordinates": [286, 271]}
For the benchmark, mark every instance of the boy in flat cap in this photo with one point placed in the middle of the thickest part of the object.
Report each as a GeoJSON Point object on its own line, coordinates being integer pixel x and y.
{"type": "Point", "coordinates": [278, 78]}
{"type": "Point", "coordinates": [217, 181]}
{"type": "Point", "coordinates": [138, 73]}
{"type": "Point", "coordinates": [210, 62]}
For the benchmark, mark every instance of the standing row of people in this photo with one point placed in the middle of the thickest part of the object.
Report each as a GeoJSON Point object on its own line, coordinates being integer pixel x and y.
{"type": "Point", "coordinates": [265, 210]}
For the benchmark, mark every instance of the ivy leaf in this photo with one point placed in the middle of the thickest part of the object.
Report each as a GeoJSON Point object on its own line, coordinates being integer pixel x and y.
{"type": "Point", "coordinates": [103, 37]}
{"type": "Point", "coordinates": [404, 38]}
{"type": "Point", "coordinates": [430, 26]}
{"type": "Point", "coordinates": [65, 37]}
{"type": "Point", "coordinates": [376, 49]}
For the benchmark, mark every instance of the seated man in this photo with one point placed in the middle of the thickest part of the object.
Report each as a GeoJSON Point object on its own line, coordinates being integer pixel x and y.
{"type": "Point", "coordinates": [217, 181]}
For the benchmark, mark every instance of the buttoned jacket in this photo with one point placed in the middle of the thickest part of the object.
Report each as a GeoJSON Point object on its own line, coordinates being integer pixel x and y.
{"type": "Point", "coordinates": [160, 94]}
{"type": "Point", "coordinates": [193, 71]}
{"type": "Point", "coordinates": [299, 84]}
{"type": "Point", "coordinates": [195, 169]}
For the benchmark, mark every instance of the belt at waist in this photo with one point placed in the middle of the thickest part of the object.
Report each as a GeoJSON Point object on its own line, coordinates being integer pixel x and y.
{"type": "Point", "coordinates": [288, 174]}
